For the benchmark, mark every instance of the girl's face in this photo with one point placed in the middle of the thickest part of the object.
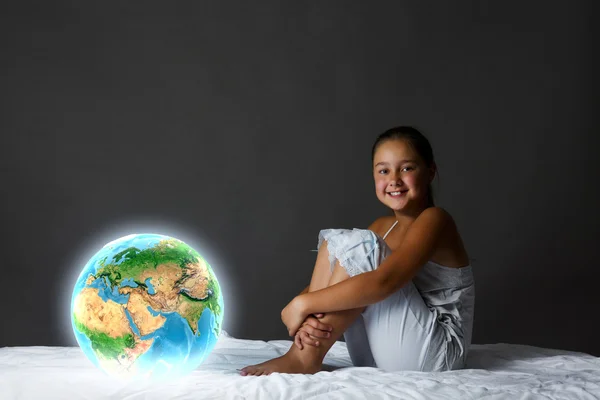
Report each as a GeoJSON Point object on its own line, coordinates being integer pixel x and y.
{"type": "Point", "coordinates": [401, 176]}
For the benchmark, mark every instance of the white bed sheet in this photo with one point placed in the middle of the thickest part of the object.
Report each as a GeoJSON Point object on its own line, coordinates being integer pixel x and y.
{"type": "Point", "coordinates": [494, 371]}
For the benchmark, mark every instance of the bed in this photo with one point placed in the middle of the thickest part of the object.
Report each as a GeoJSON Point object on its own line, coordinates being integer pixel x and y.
{"type": "Point", "coordinates": [494, 371]}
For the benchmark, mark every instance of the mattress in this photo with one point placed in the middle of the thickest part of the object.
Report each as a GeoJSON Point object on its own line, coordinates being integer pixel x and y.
{"type": "Point", "coordinates": [493, 371]}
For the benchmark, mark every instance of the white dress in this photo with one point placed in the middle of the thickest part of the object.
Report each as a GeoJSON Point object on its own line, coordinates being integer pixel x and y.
{"type": "Point", "coordinates": [424, 326]}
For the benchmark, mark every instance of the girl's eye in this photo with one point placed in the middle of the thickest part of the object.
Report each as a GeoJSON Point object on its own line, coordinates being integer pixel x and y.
{"type": "Point", "coordinates": [403, 169]}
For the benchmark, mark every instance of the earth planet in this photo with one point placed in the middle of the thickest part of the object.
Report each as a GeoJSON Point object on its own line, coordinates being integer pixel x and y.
{"type": "Point", "coordinates": [147, 305]}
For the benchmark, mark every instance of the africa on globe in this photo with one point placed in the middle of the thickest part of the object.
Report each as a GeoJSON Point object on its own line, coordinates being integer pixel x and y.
{"type": "Point", "coordinates": [147, 305]}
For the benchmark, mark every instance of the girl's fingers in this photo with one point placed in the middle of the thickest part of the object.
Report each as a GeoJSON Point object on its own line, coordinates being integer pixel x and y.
{"type": "Point", "coordinates": [307, 329]}
{"type": "Point", "coordinates": [318, 333]}
{"type": "Point", "coordinates": [307, 339]}
{"type": "Point", "coordinates": [298, 342]}
{"type": "Point", "coordinates": [324, 327]}
{"type": "Point", "coordinates": [316, 328]}
{"type": "Point", "coordinates": [315, 323]}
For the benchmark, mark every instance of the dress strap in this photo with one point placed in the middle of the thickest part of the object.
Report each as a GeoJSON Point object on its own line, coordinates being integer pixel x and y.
{"type": "Point", "coordinates": [389, 230]}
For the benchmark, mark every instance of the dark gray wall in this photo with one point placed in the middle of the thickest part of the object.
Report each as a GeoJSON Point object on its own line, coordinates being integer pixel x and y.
{"type": "Point", "coordinates": [244, 128]}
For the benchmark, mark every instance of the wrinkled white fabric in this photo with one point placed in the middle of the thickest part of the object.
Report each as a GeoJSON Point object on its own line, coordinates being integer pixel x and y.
{"type": "Point", "coordinates": [493, 371]}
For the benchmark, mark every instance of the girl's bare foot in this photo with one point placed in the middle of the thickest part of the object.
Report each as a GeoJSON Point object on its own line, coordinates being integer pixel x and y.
{"type": "Point", "coordinates": [287, 364]}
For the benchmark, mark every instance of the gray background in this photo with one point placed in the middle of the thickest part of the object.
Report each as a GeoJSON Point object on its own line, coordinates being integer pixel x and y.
{"type": "Point", "coordinates": [243, 128]}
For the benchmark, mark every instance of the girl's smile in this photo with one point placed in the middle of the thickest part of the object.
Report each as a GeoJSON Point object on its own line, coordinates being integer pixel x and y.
{"type": "Point", "coordinates": [397, 193]}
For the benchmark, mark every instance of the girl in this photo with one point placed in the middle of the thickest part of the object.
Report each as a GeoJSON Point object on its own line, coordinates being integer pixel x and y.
{"type": "Point", "coordinates": [402, 291]}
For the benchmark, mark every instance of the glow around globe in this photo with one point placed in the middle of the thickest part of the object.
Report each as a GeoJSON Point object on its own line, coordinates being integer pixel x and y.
{"type": "Point", "coordinates": [147, 305]}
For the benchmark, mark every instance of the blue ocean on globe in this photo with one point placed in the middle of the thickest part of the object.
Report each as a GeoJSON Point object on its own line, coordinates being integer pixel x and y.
{"type": "Point", "coordinates": [147, 305]}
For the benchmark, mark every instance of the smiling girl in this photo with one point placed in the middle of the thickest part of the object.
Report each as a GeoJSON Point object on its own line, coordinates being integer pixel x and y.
{"type": "Point", "coordinates": [401, 292]}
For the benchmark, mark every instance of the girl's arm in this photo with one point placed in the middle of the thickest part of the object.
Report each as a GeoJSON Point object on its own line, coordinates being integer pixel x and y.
{"type": "Point", "coordinates": [394, 272]}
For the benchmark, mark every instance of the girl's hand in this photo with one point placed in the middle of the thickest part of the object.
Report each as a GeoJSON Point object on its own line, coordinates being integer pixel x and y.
{"type": "Point", "coordinates": [293, 315]}
{"type": "Point", "coordinates": [311, 330]}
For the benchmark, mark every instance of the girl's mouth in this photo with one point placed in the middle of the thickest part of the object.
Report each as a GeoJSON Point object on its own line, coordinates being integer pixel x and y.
{"type": "Point", "coordinates": [399, 193]}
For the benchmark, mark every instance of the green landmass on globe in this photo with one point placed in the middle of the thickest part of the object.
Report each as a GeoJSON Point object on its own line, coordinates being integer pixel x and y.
{"type": "Point", "coordinates": [147, 305]}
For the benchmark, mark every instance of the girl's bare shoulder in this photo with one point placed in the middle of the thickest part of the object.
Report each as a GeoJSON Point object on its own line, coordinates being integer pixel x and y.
{"type": "Point", "coordinates": [451, 250]}
{"type": "Point", "coordinates": [445, 219]}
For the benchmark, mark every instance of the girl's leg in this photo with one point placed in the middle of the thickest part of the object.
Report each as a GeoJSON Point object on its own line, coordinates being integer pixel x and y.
{"type": "Point", "coordinates": [322, 270]}
{"type": "Point", "coordinates": [339, 320]}
{"type": "Point", "coordinates": [309, 359]}
{"type": "Point", "coordinates": [401, 331]}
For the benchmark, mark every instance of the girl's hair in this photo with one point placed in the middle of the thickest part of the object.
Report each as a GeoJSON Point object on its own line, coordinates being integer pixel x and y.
{"type": "Point", "coordinates": [416, 140]}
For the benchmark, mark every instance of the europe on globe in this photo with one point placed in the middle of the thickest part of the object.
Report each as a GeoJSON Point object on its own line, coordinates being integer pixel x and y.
{"type": "Point", "coordinates": [147, 305]}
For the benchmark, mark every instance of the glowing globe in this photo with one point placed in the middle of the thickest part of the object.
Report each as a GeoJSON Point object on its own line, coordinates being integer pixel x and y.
{"type": "Point", "coordinates": [147, 305]}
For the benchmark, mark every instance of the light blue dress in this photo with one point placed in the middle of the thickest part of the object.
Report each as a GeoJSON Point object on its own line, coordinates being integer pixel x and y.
{"type": "Point", "coordinates": [424, 326]}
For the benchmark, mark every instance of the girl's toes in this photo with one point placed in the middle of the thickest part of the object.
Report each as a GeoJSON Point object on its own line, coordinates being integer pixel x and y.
{"type": "Point", "coordinates": [254, 371]}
